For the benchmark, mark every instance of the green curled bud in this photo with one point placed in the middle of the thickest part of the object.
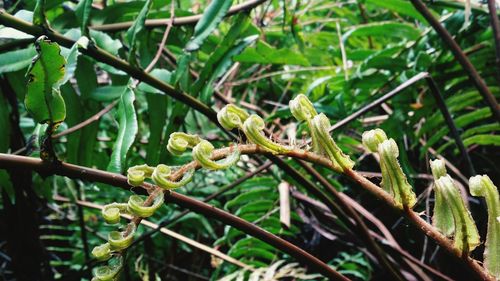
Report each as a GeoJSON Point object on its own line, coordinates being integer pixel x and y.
{"type": "Point", "coordinates": [102, 252]}
{"type": "Point", "coordinates": [202, 153]}
{"type": "Point", "coordinates": [162, 174]}
{"type": "Point", "coordinates": [253, 128]}
{"type": "Point", "coordinates": [179, 142]}
{"type": "Point", "coordinates": [320, 126]}
{"type": "Point", "coordinates": [438, 168]}
{"type": "Point", "coordinates": [302, 108]}
{"type": "Point", "coordinates": [137, 208]}
{"type": "Point", "coordinates": [442, 217]}
{"type": "Point", "coordinates": [394, 180]}
{"type": "Point", "coordinates": [137, 174]}
{"type": "Point", "coordinates": [108, 272]}
{"type": "Point", "coordinates": [111, 212]}
{"type": "Point", "coordinates": [119, 240]}
{"type": "Point", "coordinates": [483, 186]}
{"type": "Point", "coordinates": [466, 237]}
{"type": "Point", "coordinates": [371, 139]}
{"type": "Point", "coordinates": [231, 116]}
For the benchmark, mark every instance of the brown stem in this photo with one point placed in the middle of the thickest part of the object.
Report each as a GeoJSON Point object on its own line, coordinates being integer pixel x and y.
{"type": "Point", "coordinates": [461, 57]}
{"type": "Point", "coordinates": [177, 21]}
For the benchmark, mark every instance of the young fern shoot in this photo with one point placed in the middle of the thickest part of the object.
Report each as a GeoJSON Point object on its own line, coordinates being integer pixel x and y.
{"type": "Point", "coordinates": [466, 236]}
{"type": "Point", "coordinates": [319, 125]}
{"type": "Point", "coordinates": [484, 187]}
{"type": "Point", "coordinates": [394, 180]}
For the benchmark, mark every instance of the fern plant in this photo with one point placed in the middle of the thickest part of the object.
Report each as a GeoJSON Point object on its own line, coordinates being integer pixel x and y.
{"type": "Point", "coordinates": [451, 217]}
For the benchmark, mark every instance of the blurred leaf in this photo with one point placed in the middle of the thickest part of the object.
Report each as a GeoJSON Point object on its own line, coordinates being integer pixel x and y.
{"type": "Point", "coordinates": [398, 30]}
{"type": "Point", "coordinates": [400, 7]}
{"type": "Point", "coordinates": [126, 133]}
{"type": "Point", "coordinates": [107, 93]}
{"type": "Point", "coordinates": [73, 105]}
{"type": "Point", "coordinates": [39, 13]}
{"type": "Point", "coordinates": [212, 16]}
{"type": "Point", "coordinates": [137, 28]}
{"type": "Point", "coordinates": [241, 23]}
{"type": "Point", "coordinates": [483, 140]}
{"type": "Point", "coordinates": [16, 60]}
{"type": "Point", "coordinates": [5, 183]}
{"type": "Point", "coordinates": [160, 74]}
{"type": "Point", "coordinates": [223, 65]}
{"type": "Point", "coordinates": [82, 13]}
{"type": "Point", "coordinates": [157, 109]}
{"type": "Point", "coordinates": [265, 54]}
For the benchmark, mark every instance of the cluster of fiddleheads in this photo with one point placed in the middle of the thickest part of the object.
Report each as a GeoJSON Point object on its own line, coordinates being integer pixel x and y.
{"type": "Point", "coordinates": [451, 216]}
{"type": "Point", "coordinates": [162, 176]}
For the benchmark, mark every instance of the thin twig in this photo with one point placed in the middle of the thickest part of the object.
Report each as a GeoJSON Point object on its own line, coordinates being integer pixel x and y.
{"type": "Point", "coordinates": [87, 122]}
{"type": "Point", "coordinates": [163, 39]}
{"type": "Point", "coordinates": [271, 74]}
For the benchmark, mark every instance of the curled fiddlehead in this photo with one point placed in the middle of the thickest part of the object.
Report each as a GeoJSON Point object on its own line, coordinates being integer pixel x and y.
{"type": "Point", "coordinates": [466, 237]}
{"type": "Point", "coordinates": [137, 174]}
{"type": "Point", "coordinates": [111, 212]}
{"type": "Point", "coordinates": [253, 127]}
{"type": "Point", "coordinates": [484, 187]}
{"type": "Point", "coordinates": [178, 142]}
{"type": "Point", "coordinates": [137, 208]}
{"type": "Point", "coordinates": [302, 108]}
{"type": "Point", "coordinates": [393, 177]}
{"type": "Point", "coordinates": [320, 126]}
{"type": "Point", "coordinates": [202, 153]}
{"type": "Point", "coordinates": [231, 116]}
{"type": "Point", "coordinates": [442, 217]}
{"type": "Point", "coordinates": [394, 180]}
{"type": "Point", "coordinates": [162, 174]}
{"type": "Point", "coordinates": [372, 139]}
{"type": "Point", "coordinates": [110, 271]}
{"type": "Point", "coordinates": [102, 252]}
{"type": "Point", "coordinates": [119, 240]}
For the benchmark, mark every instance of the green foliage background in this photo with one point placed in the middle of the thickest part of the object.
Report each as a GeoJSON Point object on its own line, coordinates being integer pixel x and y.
{"type": "Point", "coordinates": [341, 54]}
